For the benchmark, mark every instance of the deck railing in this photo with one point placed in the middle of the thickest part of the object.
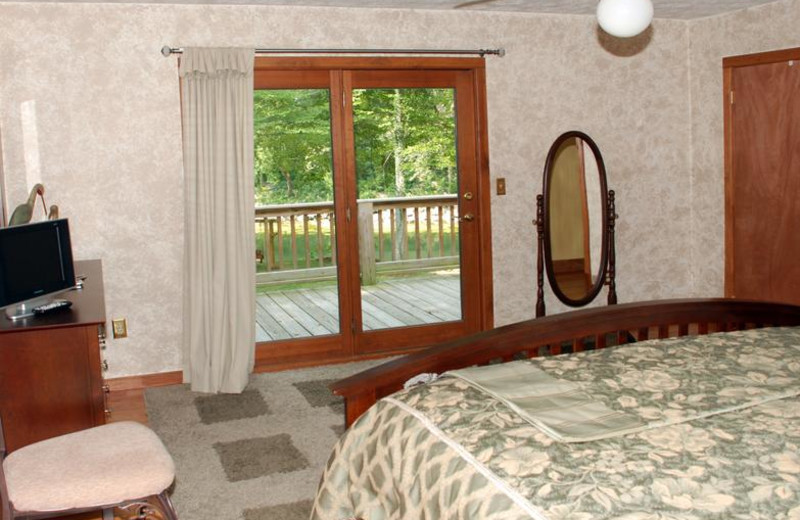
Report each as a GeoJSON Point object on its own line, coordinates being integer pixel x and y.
{"type": "Point", "coordinates": [298, 241]}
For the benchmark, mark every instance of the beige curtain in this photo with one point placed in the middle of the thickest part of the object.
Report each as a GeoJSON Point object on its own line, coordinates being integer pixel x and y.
{"type": "Point", "coordinates": [219, 252]}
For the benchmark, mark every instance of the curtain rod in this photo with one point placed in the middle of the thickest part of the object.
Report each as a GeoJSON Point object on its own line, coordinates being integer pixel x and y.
{"type": "Point", "coordinates": [167, 50]}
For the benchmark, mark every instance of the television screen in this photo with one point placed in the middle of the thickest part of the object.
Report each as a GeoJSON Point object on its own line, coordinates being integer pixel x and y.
{"type": "Point", "coordinates": [35, 261]}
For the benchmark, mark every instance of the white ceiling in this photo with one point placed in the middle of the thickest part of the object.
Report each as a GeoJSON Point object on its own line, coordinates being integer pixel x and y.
{"type": "Point", "coordinates": [678, 9]}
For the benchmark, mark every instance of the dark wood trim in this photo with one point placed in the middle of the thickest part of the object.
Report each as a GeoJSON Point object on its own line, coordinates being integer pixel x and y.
{"type": "Point", "coordinates": [611, 274]}
{"type": "Point", "coordinates": [351, 314]}
{"type": "Point", "coordinates": [484, 197]}
{"type": "Point", "coordinates": [605, 325]}
{"type": "Point", "coordinates": [343, 155]}
{"type": "Point", "coordinates": [295, 362]}
{"type": "Point", "coordinates": [118, 384]}
{"type": "Point", "coordinates": [761, 58]}
{"type": "Point", "coordinates": [280, 352]}
{"type": "Point", "coordinates": [361, 63]}
{"type": "Point", "coordinates": [539, 223]}
{"type": "Point", "coordinates": [294, 79]}
{"type": "Point", "coordinates": [94, 360]}
{"type": "Point", "coordinates": [727, 115]}
{"type": "Point", "coordinates": [467, 156]}
{"type": "Point", "coordinates": [392, 79]}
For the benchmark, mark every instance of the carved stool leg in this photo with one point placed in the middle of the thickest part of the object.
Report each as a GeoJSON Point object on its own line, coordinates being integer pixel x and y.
{"type": "Point", "coordinates": [154, 508]}
{"type": "Point", "coordinates": [166, 506]}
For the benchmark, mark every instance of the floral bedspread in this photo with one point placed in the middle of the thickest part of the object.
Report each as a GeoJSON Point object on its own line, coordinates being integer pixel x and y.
{"type": "Point", "coordinates": [722, 442]}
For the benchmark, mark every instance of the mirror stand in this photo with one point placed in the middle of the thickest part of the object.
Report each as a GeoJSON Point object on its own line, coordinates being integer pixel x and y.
{"type": "Point", "coordinates": [610, 274]}
{"type": "Point", "coordinates": [612, 253]}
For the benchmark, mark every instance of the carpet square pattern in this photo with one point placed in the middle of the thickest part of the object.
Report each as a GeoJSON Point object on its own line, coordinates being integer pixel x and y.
{"type": "Point", "coordinates": [253, 458]}
{"type": "Point", "coordinates": [228, 407]}
{"type": "Point", "coordinates": [297, 511]}
{"type": "Point", "coordinates": [318, 394]}
{"type": "Point", "coordinates": [257, 455]}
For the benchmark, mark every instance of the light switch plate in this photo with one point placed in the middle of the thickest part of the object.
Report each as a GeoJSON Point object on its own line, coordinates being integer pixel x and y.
{"type": "Point", "coordinates": [119, 328]}
{"type": "Point", "coordinates": [501, 186]}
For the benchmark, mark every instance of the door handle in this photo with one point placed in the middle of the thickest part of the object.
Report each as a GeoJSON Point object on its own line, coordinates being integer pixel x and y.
{"type": "Point", "coordinates": [468, 217]}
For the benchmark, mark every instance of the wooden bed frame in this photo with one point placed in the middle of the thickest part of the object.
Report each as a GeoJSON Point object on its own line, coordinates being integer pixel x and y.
{"type": "Point", "coordinates": [571, 331]}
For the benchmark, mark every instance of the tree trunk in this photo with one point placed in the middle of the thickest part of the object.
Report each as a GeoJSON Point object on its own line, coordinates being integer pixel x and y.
{"type": "Point", "coordinates": [401, 242]}
{"type": "Point", "coordinates": [289, 187]}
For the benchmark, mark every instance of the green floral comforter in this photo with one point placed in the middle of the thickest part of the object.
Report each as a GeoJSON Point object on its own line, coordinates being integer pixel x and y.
{"type": "Point", "coordinates": [722, 438]}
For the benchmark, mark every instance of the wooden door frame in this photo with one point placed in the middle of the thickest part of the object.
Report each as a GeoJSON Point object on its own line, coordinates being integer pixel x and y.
{"type": "Point", "coordinates": [275, 355]}
{"type": "Point", "coordinates": [729, 64]}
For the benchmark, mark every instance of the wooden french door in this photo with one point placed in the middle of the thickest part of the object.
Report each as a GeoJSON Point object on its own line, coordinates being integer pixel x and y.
{"type": "Point", "coordinates": [762, 134]}
{"type": "Point", "coordinates": [376, 236]}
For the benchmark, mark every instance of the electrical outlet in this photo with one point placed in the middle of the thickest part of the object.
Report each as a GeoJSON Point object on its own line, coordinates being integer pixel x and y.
{"type": "Point", "coordinates": [120, 328]}
{"type": "Point", "coordinates": [501, 186]}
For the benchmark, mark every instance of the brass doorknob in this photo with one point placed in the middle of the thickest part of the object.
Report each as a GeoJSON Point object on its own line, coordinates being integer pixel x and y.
{"type": "Point", "coordinates": [468, 217]}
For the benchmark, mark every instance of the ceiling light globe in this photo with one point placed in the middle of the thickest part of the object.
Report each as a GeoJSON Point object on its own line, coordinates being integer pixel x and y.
{"type": "Point", "coordinates": [624, 18]}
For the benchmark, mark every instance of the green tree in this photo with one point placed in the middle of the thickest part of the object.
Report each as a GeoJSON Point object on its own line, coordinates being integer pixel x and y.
{"type": "Point", "coordinates": [404, 141]}
{"type": "Point", "coordinates": [292, 142]}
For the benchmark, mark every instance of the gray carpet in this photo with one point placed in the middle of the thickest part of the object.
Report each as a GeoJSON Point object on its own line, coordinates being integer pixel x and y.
{"type": "Point", "coordinates": [257, 455]}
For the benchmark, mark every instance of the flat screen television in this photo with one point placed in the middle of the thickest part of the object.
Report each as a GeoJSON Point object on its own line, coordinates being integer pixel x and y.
{"type": "Point", "coordinates": [35, 265]}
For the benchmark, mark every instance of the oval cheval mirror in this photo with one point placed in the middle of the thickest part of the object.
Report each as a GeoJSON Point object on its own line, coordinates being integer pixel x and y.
{"type": "Point", "coordinates": [575, 217]}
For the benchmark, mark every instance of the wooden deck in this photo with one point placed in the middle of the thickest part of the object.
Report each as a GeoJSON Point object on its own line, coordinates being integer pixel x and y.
{"type": "Point", "coordinates": [302, 313]}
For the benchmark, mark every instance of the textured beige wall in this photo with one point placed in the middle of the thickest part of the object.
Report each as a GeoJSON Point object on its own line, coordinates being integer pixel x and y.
{"type": "Point", "coordinates": [106, 114]}
{"type": "Point", "coordinates": [769, 27]}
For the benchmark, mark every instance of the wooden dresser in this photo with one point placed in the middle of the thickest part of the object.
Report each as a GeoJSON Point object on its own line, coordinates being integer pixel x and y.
{"type": "Point", "coordinates": [51, 367]}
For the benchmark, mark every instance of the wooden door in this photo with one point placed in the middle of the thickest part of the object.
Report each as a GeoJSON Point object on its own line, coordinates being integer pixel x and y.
{"type": "Point", "coordinates": [360, 328]}
{"type": "Point", "coordinates": [445, 302]}
{"type": "Point", "coordinates": [763, 176]}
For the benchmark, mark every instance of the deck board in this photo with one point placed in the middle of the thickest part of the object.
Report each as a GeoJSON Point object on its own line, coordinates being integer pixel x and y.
{"type": "Point", "coordinates": [286, 321]}
{"type": "Point", "coordinates": [303, 318]}
{"type": "Point", "coordinates": [302, 299]}
{"type": "Point", "coordinates": [432, 302]}
{"type": "Point", "coordinates": [448, 287]}
{"type": "Point", "coordinates": [403, 304]}
{"type": "Point", "coordinates": [399, 302]}
{"type": "Point", "coordinates": [268, 324]}
{"type": "Point", "coordinates": [380, 319]}
{"type": "Point", "coordinates": [401, 314]}
{"type": "Point", "coordinates": [322, 300]}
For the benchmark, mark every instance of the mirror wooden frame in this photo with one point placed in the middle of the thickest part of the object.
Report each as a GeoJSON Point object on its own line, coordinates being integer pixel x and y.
{"type": "Point", "coordinates": [606, 271]}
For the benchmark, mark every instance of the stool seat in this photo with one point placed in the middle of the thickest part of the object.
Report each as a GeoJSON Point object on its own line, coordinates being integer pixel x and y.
{"type": "Point", "coordinates": [97, 467]}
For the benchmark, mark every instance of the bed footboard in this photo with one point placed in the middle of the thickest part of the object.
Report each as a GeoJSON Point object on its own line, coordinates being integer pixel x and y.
{"type": "Point", "coordinates": [599, 327]}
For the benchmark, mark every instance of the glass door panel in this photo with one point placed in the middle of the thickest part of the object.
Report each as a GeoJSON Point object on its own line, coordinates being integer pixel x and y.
{"type": "Point", "coordinates": [297, 292]}
{"type": "Point", "coordinates": [407, 185]}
